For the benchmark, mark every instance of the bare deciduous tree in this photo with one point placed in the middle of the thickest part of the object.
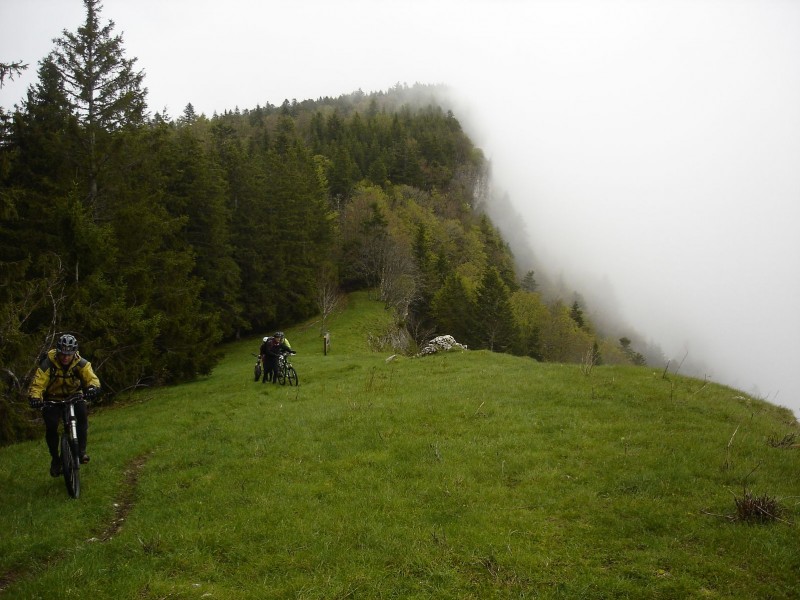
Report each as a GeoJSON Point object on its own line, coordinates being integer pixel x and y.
{"type": "Point", "coordinates": [328, 296]}
{"type": "Point", "coordinates": [398, 280]}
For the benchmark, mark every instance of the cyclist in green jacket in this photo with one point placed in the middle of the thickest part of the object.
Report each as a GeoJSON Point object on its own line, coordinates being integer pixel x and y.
{"type": "Point", "coordinates": [60, 374]}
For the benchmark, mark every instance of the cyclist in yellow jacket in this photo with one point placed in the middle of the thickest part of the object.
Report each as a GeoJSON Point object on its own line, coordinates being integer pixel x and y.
{"type": "Point", "coordinates": [60, 374]}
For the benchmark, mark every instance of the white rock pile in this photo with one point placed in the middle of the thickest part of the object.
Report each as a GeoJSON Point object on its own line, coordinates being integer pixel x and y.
{"type": "Point", "coordinates": [442, 343]}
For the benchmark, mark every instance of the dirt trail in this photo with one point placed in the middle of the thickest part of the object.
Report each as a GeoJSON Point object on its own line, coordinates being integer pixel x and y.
{"type": "Point", "coordinates": [122, 507]}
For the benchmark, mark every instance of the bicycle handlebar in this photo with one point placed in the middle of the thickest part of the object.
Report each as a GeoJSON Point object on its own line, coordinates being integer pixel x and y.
{"type": "Point", "coordinates": [77, 396]}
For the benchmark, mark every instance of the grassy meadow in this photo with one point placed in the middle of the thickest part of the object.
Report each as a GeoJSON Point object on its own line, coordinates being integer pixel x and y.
{"type": "Point", "coordinates": [464, 475]}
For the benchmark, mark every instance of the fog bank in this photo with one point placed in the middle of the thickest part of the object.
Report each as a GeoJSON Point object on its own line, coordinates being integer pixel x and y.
{"type": "Point", "coordinates": [655, 164]}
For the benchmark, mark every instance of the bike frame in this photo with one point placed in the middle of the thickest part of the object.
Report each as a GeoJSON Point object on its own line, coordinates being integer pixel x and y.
{"type": "Point", "coordinates": [283, 365]}
{"type": "Point", "coordinates": [258, 369]}
{"type": "Point", "coordinates": [70, 458]}
{"type": "Point", "coordinates": [285, 368]}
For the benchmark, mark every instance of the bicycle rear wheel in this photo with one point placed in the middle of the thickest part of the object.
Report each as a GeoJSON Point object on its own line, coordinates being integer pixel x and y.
{"type": "Point", "coordinates": [71, 467]}
{"type": "Point", "coordinates": [257, 371]}
{"type": "Point", "coordinates": [291, 376]}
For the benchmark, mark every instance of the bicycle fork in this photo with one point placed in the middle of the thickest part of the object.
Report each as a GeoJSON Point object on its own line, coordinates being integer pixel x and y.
{"type": "Point", "coordinates": [71, 427]}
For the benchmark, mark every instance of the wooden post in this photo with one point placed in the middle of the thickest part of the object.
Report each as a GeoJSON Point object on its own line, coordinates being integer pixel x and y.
{"type": "Point", "coordinates": [326, 342]}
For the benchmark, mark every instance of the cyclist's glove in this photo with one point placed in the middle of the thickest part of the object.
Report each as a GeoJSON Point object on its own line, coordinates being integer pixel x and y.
{"type": "Point", "coordinates": [35, 402]}
{"type": "Point", "coordinates": [91, 392]}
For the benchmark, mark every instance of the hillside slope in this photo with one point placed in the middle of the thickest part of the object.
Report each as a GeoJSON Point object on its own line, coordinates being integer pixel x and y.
{"type": "Point", "coordinates": [466, 475]}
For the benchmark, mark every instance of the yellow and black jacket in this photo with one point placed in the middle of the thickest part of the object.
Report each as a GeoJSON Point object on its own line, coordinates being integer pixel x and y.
{"type": "Point", "coordinates": [52, 380]}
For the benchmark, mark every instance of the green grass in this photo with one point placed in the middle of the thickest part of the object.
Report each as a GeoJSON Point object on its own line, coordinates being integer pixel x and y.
{"type": "Point", "coordinates": [466, 475]}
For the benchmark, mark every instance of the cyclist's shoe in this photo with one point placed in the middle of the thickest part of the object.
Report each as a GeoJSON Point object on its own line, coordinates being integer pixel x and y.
{"type": "Point", "coordinates": [55, 467]}
{"type": "Point", "coordinates": [85, 459]}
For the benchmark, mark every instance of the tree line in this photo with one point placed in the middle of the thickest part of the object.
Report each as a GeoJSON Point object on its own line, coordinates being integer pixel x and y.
{"type": "Point", "coordinates": [154, 238]}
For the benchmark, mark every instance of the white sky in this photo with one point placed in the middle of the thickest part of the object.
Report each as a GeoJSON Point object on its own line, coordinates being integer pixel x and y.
{"type": "Point", "coordinates": [650, 145]}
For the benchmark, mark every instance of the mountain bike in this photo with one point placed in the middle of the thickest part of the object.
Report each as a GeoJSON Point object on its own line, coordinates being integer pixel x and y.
{"type": "Point", "coordinates": [257, 369]}
{"type": "Point", "coordinates": [286, 372]}
{"type": "Point", "coordinates": [70, 456]}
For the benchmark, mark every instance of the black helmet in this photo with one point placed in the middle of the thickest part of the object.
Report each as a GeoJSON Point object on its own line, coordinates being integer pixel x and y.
{"type": "Point", "coordinates": [279, 335]}
{"type": "Point", "coordinates": [67, 344]}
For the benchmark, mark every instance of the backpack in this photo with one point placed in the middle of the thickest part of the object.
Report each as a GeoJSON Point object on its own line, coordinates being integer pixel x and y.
{"type": "Point", "coordinates": [45, 363]}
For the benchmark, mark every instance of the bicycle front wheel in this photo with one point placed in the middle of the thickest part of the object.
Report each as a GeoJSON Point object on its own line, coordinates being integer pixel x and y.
{"type": "Point", "coordinates": [71, 467]}
{"type": "Point", "coordinates": [291, 376]}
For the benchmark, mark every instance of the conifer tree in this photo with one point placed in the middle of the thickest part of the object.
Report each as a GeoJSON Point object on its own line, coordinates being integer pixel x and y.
{"type": "Point", "coordinates": [298, 232]}
{"type": "Point", "coordinates": [577, 314]}
{"type": "Point", "coordinates": [196, 190]}
{"type": "Point", "coordinates": [102, 88]}
{"type": "Point", "coordinates": [529, 282]}
{"type": "Point", "coordinates": [254, 230]}
{"type": "Point", "coordinates": [453, 310]}
{"type": "Point", "coordinates": [41, 136]}
{"type": "Point", "coordinates": [498, 253]}
{"type": "Point", "coordinates": [427, 277]}
{"type": "Point", "coordinates": [494, 318]}
{"type": "Point", "coordinates": [635, 357]}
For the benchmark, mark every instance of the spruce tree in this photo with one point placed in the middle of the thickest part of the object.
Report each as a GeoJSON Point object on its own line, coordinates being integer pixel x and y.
{"type": "Point", "coordinates": [577, 314]}
{"type": "Point", "coordinates": [102, 88]}
{"type": "Point", "coordinates": [196, 190]}
{"type": "Point", "coordinates": [494, 318]}
{"type": "Point", "coordinates": [529, 282]}
{"type": "Point", "coordinates": [41, 139]}
{"type": "Point", "coordinates": [297, 233]}
{"type": "Point", "coordinates": [453, 310]}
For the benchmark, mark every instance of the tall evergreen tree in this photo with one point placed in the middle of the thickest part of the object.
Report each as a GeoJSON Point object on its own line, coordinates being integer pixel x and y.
{"type": "Point", "coordinates": [498, 253]}
{"type": "Point", "coordinates": [197, 190]}
{"type": "Point", "coordinates": [577, 314]}
{"type": "Point", "coordinates": [103, 90]}
{"type": "Point", "coordinates": [529, 282]}
{"type": "Point", "coordinates": [254, 230]}
{"type": "Point", "coordinates": [299, 230]}
{"type": "Point", "coordinates": [41, 138]}
{"type": "Point", "coordinates": [427, 277]}
{"type": "Point", "coordinates": [494, 319]}
{"type": "Point", "coordinates": [453, 309]}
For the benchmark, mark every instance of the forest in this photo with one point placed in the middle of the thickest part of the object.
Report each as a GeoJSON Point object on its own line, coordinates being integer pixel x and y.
{"type": "Point", "coordinates": [155, 238]}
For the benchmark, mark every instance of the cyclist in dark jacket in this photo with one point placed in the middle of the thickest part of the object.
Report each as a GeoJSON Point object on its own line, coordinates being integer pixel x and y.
{"type": "Point", "coordinates": [262, 352]}
{"type": "Point", "coordinates": [59, 375]}
{"type": "Point", "coordinates": [275, 347]}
